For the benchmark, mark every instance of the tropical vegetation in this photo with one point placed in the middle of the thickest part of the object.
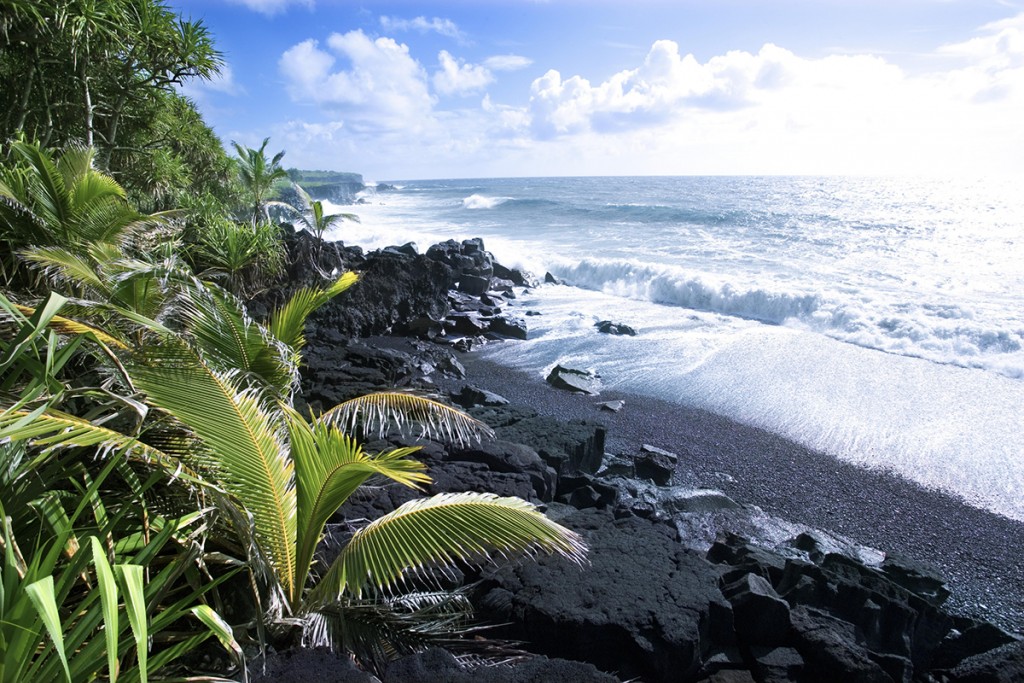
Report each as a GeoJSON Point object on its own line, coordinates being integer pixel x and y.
{"type": "Point", "coordinates": [163, 501]}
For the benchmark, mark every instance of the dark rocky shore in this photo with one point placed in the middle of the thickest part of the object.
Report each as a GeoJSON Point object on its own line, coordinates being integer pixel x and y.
{"type": "Point", "coordinates": [718, 552]}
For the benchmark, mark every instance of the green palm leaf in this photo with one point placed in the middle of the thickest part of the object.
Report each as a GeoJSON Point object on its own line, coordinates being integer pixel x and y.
{"type": "Point", "coordinates": [246, 442]}
{"type": "Point", "coordinates": [329, 467]}
{"type": "Point", "coordinates": [436, 532]}
{"type": "Point", "coordinates": [52, 429]}
{"type": "Point", "coordinates": [228, 339]}
{"type": "Point", "coordinates": [377, 412]}
{"type": "Point", "coordinates": [287, 323]}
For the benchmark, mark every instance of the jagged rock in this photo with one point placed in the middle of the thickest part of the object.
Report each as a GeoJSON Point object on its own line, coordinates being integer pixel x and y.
{"type": "Point", "coordinates": [516, 276]}
{"type": "Point", "coordinates": [501, 285]}
{"type": "Point", "coordinates": [830, 649]}
{"type": "Point", "coordinates": [470, 397]}
{"type": "Point", "coordinates": [469, 323]}
{"type": "Point", "coordinates": [571, 379]}
{"type": "Point", "coordinates": [436, 665]}
{"type": "Point", "coordinates": [407, 249]}
{"type": "Point", "coordinates": [394, 289]}
{"type": "Point", "coordinates": [473, 284]}
{"type": "Point", "coordinates": [551, 279]}
{"type": "Point", "coordinates": [608, 614]}
{"type": "Point", "coordinates": [618, 466]}
{"type": "Point", "coordinates": [569, 447]}
{"type": "Point", "coordinates": [505, 456]}
{"type": "Point", "coordinates": [1003, 665]}
{"type": "Point", "coordinates": [509, 327]}
{"type": "Point", "coordinates": [608, 327]}
{"type": "Point", "coordinates": [425, 327]}
{"type": "Point", "coordinates": [761, 617]}
{"type": "Point", "coordinates": [612, 406]}
{"type": "Point", "coordinates": [968, 639]}
{"type": "Point", "coordinates": [777, 664]}
{"type": "Point", "coordinates": [916, 578]}
{"type": "Point", "coordinates": [456, 476]}
{"type": "Point", "coordinates": [656, 464]}
{"type": "Point", "coordinates": [584, 491]}
{"type": "Point", "coordinates": [463, 344]}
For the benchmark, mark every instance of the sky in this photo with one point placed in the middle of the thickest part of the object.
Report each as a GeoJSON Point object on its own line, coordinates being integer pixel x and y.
{"type": "Point", "coordinates": [519, 88]}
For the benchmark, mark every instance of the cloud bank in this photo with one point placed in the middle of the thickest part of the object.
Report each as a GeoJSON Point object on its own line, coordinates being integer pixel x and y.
{"type": "Point", "coordinates": [772, 111]}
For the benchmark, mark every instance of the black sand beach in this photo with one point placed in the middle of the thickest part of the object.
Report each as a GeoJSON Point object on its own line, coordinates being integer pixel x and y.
{"type": "Point", "coordinates": [978, 552]}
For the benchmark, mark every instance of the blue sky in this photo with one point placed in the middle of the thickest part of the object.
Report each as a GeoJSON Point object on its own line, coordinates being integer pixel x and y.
{"type": "Point", "coordinates": [409, 90]}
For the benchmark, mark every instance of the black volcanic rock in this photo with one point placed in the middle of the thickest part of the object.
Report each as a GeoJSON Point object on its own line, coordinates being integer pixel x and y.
{"type": "Point", "coordinates": [436, 665]}
{"type": "Point", "coordinates": [394, 289]}
{"type": "Point", "coordinates": [644, 606]}
{"type": "Point", "coordinates": [572, 379]}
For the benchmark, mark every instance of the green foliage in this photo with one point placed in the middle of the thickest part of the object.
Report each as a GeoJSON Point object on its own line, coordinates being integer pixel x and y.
{"type": "Point", "coordinates": [258, 173]}
{"type": "Point", "coordinates": [64, 204]}
{"type": "Point", "coordinates": [244, 257]}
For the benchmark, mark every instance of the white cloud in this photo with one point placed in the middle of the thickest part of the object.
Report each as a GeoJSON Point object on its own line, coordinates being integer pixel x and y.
{"type": "Point", "coordinates": [457, 77]}
{"type": "Point", "coordinates": [223, 83]}
{"type": "Point", "coordinates": [444, 27]}
{"type": "Point", "coordinates": [771, 111]}
{"type": "Point", "coordinates": [385, 88]}
{"type": "Point", "coordinates": [271, 7]}
{"type": "Point", "coordinates": [507, 62]}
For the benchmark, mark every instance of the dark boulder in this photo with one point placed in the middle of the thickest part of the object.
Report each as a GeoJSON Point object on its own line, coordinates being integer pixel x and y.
{"type": "Point", "coordinates": [644, 607]}
{"type": "Point", "coordinates": [608, 327]}
{"type": "Point", "coordinates": [572, 379]}
{"type": "Point", "coordinates": [656, 464]}
{"type": "Point", "coordinates": [508, 326]}
{"type": "Point", "coordinates": [504, 456]}
{"type": "Point", "coordinates": [569, 447]}
{"type": "Point", "coordinates": [1002, 665]}
{"type": "Point", "coordinates": [760, 616]}
{"type": "Point", "coordinates": [471, 396]}
{"type": "Point", "coordinates": [394, 289]}
{"type": "Point", "coordinates": [473, 285]}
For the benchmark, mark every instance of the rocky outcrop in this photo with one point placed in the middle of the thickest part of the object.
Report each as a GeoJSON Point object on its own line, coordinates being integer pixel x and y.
{"type": "Point", "coordinates": [643, 607]}
{"type": "Point", "coordinates": [684, 583]}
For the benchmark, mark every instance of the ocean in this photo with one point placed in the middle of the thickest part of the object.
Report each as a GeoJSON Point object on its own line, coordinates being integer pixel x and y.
{"type": "Point", "coordinates": [876, 320]}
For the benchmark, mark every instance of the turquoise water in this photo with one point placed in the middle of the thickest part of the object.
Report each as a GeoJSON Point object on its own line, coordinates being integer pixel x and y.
{"type": "Point", "coordinates": [877, 320]}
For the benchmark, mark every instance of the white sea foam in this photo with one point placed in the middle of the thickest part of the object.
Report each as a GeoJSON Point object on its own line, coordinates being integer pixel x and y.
{"type": "Point", "coordinates": [945, 427]}
{"type": "Point", "coordinates": [479, 201]}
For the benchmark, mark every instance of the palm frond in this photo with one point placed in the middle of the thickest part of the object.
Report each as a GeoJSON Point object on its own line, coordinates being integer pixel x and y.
{"type": "Point", "coordinates": [329, 467]}
{"type": "Point", "coordinates": [52, 429]}
{"type": "Point", "coordinates": [377, 412]}
{"type": "Point", "coordinates": [228, 339]}
{"type": "Point", "coordinates": [434, 533]}
{"type": "Point", "coordinates": [379, 630]}
{"type": "Point", "coordinates": [63, 266]}
{"type": "Point", "coordinates": [246, 442]}
{"type": "Point", "coordinates": [288, 321]}
{"type": "Point", "coordinates": [47, 186]}
{"type": "Point", "coordinates": [69, 327]}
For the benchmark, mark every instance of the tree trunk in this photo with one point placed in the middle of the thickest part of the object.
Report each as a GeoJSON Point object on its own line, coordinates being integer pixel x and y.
{"type": "Point", "coordinates": [83, 74]}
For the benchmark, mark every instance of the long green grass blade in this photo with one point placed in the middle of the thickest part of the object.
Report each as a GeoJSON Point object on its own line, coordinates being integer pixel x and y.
{"type": "Point", "coordinates": [108, 599]}
{"type": "Point", "coordinates": [135, 606]}
{"type": "Point", "coordinates": [41, 593]}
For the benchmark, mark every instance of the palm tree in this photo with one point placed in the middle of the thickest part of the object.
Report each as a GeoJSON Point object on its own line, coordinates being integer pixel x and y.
{"type": "Point", "coordinates": [227, 383]}
{"type": "Point", "coordinates": [64, 203]}
{"type": "Point", "coordinates": [312, 216]}
{"type": "Point", "coordinates": [258, 174]}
